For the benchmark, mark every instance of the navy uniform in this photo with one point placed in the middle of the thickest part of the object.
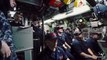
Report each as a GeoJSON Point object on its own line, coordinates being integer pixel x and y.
{"type": "Point", "coordinates": [79, 46]}
{"type": "Point", "coordinates": [93, 44]}
{"type": "Point", "coordinates": [59, 54]}
{"type": "Point", "coordinates": [49, 53]}
{"type": "Point", "coordinates": [6, 35]}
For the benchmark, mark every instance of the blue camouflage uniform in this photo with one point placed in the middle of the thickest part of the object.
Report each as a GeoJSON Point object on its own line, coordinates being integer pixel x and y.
{"type": "Point", "coordinates": [6, 35]}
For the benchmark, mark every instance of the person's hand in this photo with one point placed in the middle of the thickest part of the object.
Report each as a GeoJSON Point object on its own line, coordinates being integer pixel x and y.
{"type": "Point", "coordinates": [67, 59]}
{"type": "Point", "coordinates": [5, 49]}
{"type": "Point", "coordinates": [64, 46]}
{"type": "Point", "coordinates": [94, 57]}
{"type": "Point", "coordinates": [12, 3]}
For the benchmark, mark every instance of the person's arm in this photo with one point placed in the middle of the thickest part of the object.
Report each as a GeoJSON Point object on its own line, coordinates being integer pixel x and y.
{"type": "Point", "coordinates": [88, 56]}
{"type": "Point", "coordinates": [6, 36]}
{"type": "Point", "coordinates": [79, 51]}
{"type": "Point", "coordinates": [64, 54]}
{"type": "Point", "coordinates": [67, 45]}
{"type": "Point", "coordinates": [90, 51]}
{"type": "Point", "coordinates": [66, 39]}
{"type": "Point", "coordinates": [5, 49]}
{"type": "Point", "coordinates": [77, 48]}
{"type": "Point", "coordinates": [85, 55]}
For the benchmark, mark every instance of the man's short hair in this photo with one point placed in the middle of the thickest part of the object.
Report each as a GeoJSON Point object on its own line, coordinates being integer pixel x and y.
{"type": "Point", "coordinates": [77, 33]}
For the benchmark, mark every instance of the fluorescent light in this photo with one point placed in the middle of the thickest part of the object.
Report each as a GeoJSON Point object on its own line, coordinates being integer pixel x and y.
{"type": "Point", "coordinates": [76, 11]}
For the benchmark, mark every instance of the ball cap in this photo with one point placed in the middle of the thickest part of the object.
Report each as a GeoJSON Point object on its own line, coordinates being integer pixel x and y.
{"type": "Point", "coordinates": [51, 37]}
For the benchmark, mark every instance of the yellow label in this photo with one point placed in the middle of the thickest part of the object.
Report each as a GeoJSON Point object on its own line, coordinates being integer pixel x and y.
{"type": "Point", "coordinates": [67, 1]}
{"type": "Point", "coordinates": [76, 3]}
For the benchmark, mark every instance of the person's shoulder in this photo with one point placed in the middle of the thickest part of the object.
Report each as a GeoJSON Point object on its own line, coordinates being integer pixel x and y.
{"type": "Point", "coordinates": [89, 39]}
{"type": "Point", "coordinates": [75, 41]}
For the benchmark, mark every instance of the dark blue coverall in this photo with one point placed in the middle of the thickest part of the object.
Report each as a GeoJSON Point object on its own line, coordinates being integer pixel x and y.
{"type": "Point", "coordinates": [6, 35]}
